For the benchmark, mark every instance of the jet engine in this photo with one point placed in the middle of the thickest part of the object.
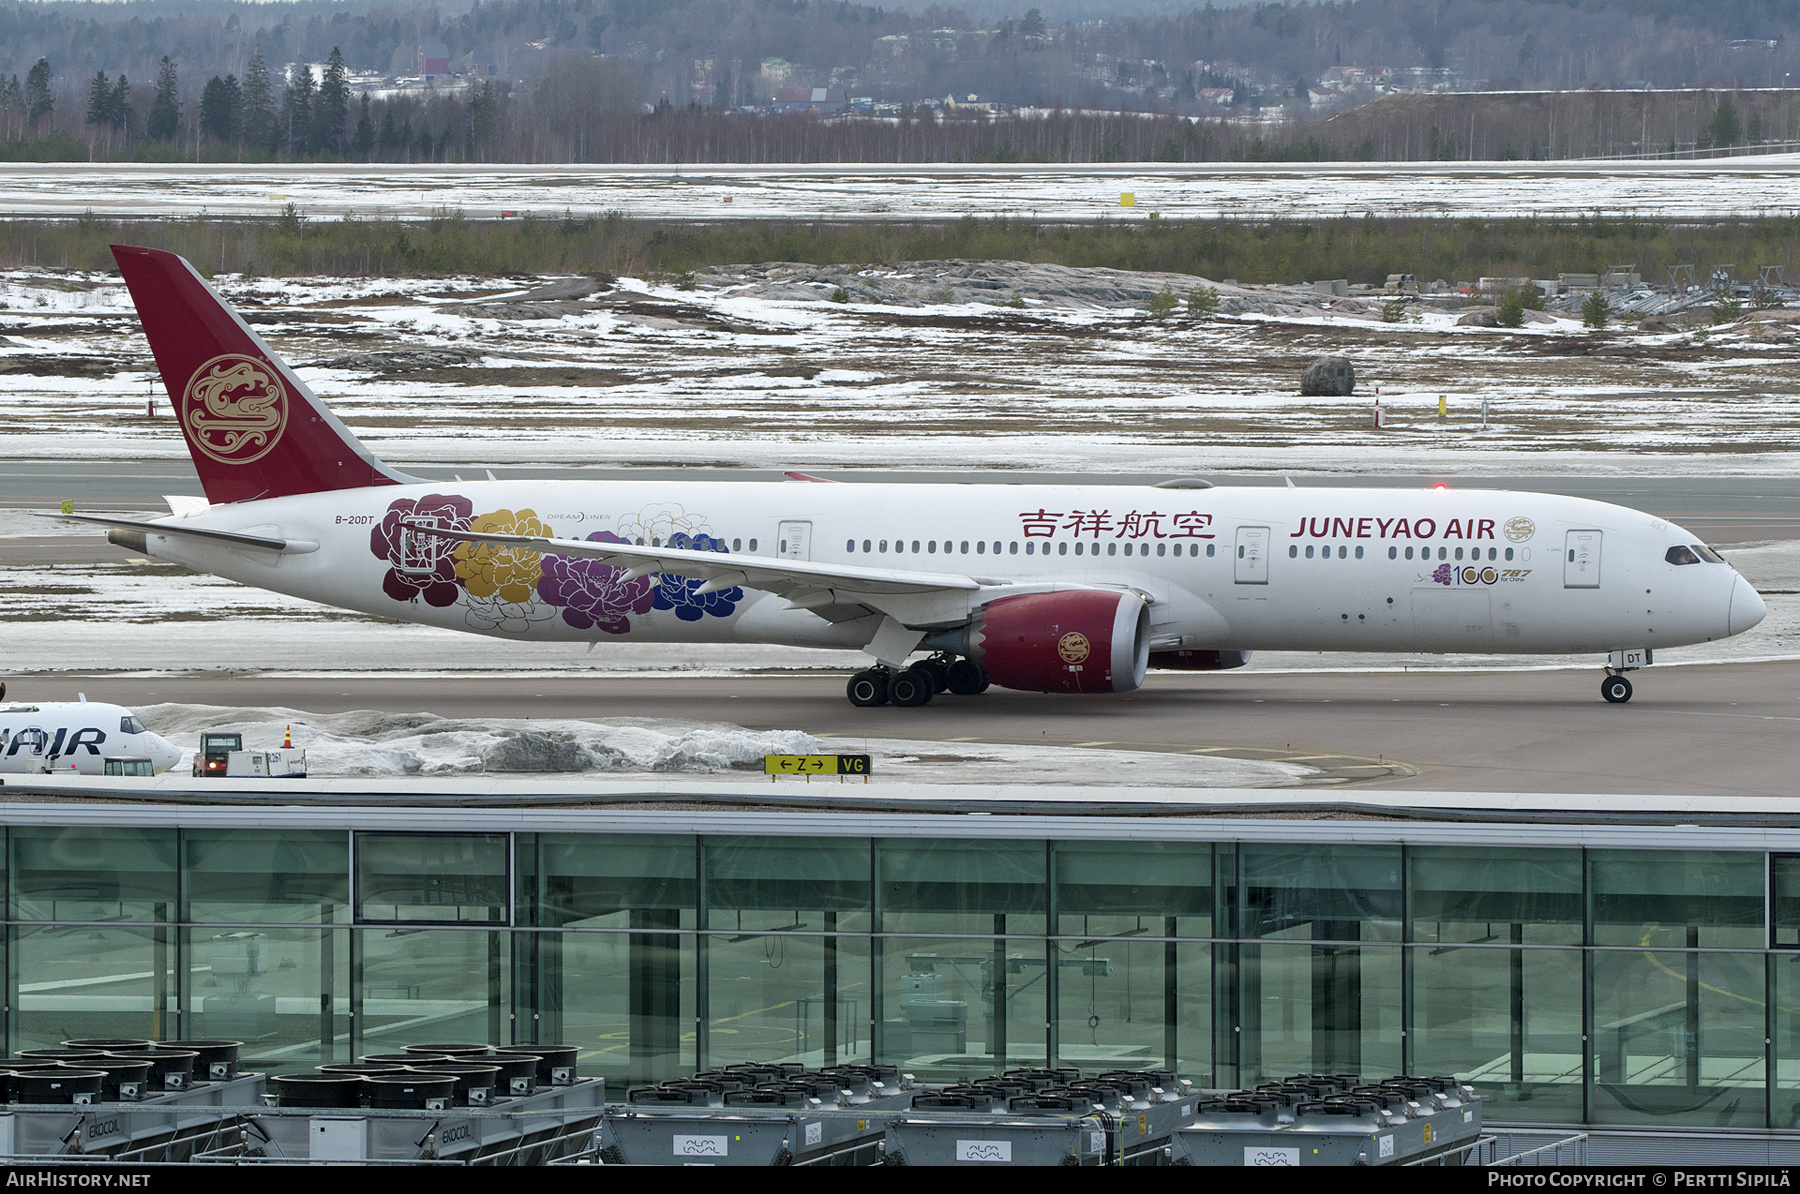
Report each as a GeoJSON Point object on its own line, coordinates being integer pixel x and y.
{"type": "Point", "coordinates": [1078, 641]}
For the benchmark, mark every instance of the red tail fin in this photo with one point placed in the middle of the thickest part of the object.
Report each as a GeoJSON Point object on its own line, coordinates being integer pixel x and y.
{"type": "Point", "coordinates": [253, 428]}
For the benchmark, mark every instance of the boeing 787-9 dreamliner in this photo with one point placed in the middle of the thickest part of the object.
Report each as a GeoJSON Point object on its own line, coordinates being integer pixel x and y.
{"type": "Point", "coordinates": [1052, 588]}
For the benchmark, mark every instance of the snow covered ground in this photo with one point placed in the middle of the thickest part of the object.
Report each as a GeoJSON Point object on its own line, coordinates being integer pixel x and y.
{"type": "Point", "coordinates": [1307, 190]}
{"type": "Point", "coordinates": [373, 744]}
{"type": "Point", "coordinates": [766, 372]}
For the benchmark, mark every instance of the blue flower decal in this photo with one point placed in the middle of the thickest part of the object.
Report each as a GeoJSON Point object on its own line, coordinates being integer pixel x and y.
{"type": "Point", "coordinates": [677, 592]}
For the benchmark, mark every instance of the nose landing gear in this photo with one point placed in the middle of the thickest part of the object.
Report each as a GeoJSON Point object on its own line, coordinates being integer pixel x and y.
{"type": "Point", "coordinates": [1616, 689]}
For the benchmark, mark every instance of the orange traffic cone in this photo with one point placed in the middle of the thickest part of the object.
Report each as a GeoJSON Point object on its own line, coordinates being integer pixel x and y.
{"type": "Point", "coordinates": [287, 739]}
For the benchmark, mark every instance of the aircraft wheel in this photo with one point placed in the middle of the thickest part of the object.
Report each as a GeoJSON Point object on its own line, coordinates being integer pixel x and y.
{"type": "Point", "coordinates": [965, 677]}
{"type": "Point", "coordinates": [911, 688]}
{"type": "Point", "coordinates": [1616, 689]}
{"type": "Point", "coordinates": [938, 672]}
{"type": "Point", "coordinates": [868, 689]}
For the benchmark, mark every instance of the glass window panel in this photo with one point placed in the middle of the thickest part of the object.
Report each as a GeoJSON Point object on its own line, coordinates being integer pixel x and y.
{"type": "Point", "coordinates": [961, 887]}
{"type": "Point", "coordinates": [1784, 1109]}
{"type": "Point", "coordinates": [1784, 875]}
{"type": "Point", "coordinates": [1677, 1038]}
{"type": "Point", "coordinates": [266, 876]}
{"type": "Point", "coordinates": [626, 998]}
{"type": "Point", "coordinates": [93, 874]}
{"type": "Point", "coordinates": [1342, 893]}
{"type": "Point", "coordinates": [1478, 894]}
{"type": "Point", "coordinates": [786, 882]}
{"type": "Point", "coordinates": [431, 877]}
{"type": "Point", "coordinates": [594, 881]}
{"type": "Point", "coordinates": [1127, 1004]}
{"type": "Point", "coordinates": [1319, 1009]}
{"type": "Point", "coordinates": [1503, 1020]}
{"type": "Point", "coordinates": [1111, 888]}
{"type": "Point", "coordinates": [91, 981]}
{"type": "Point", "coordinates": [778, 997]}
{"type": "Point", "coordinates": [284, 992]}
{"type": "Point", "coordinates": [1677, 897]}
{"type": "Point", "coordinates": [432, 986]}
{"type": "Point", "coordinates": [939, 1001]}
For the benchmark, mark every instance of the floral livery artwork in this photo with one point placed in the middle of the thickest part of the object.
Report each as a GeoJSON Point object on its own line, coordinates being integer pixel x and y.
{"type": "Point", "coordinates": [501, 580]}
{"type": "Point", "coordinates": [681, 593]}
{"type": "Point", "coordinates": [593, 595]}
{"type": "Point", "coordinates": [417, 565]}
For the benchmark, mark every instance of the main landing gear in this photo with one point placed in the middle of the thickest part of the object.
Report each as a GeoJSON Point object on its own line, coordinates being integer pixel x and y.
{"type": "Point", "coordinates": [915, 685]}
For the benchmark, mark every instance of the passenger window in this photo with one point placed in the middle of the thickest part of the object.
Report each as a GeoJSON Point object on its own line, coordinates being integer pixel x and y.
{"type": "Point", "coordinates": [850, 545]}
{"type": "Point", "coordinates": [1161, 547]}
{"type": "Point", "coordinates": [980, 547]}
{"type": "Point", "coordinates": [965, 547]}
{"type": "Point", "coordinates": [1359, 551]}
{"type": "Point", "coordinates": [1444, 551]}
{"type": "Point", "coordinates": [752, 545]}
{"type": "Point", "coordinates": [1459, 553]}
{"type": "Point", "coordinates": [1031, 548]}
{"type": "Point", "coordinates": [1079, 548]}
{"type": "Point", "coordinates": [867, 545]}
{"type": "Point", "coordinates": [1394, 553]}
{"type": "Point", "coordinates": [915, 546]}
{"type": "Point", "coordinates": [1344, 553]}
{"type": "Point", "coordinates": [1112, 549]}
{"type": "Point", "coordinates": [883, 545]}
{"type": "Point", "coordinates": [1062, 549]}
{"type": "Point", "coordinates": [1012, 549]}
{"type": "Point", "coordinates": [737, 545]}
{"type": "Point", "coordinates": [1292, 551]}
{"type": "Point", "coordinates": [1309, 551]}
{"type": "Point", "coordinates": [1509, 553]}
{"type": "Point", "coordinates": [1195, 550]}
{"type": "Point", "coordinates": [1680, 555]}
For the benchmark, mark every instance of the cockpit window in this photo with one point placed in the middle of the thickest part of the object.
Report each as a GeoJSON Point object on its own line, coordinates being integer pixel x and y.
{"type": "Point", "coordinates": [1681, 555]}
{"type": "Point", "coordinates": [130, 725]}
{"type": "Point", "coordinates": [1707, 554]}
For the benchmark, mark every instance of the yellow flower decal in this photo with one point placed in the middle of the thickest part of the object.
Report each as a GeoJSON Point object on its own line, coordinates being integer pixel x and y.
{"type": "Point", "coordinates": [489, 569]}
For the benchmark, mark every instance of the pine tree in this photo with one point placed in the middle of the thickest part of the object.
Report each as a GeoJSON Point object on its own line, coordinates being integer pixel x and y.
{"type": "Point", "coordinates": [256, 116]}
{"type": "Point", "coordinates": [120, 109]}
{"type": "Point", "coordinates": [1725, 130]}
{"type": "Point", "coordinates": [365, 132]}
{"type": "Point", "coordinates": [220, 102]}
{"type": "Point", "coordinates": [99, 105]}
{"type": "Point", "coordinates": [331, 109]}
{"type": "Point", "coordinates": [12, 103]}
{"type": "Point", "coordinates": [165, 110]}
{"type": "Point", "coordinates": [38, 100]}
{"type": "Point", "coordinates": [296, 108]}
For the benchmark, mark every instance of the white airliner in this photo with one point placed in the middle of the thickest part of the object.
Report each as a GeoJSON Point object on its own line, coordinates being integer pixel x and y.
{"type": "Point", "coordinates": [1060, 589]}
{"type": "Point", "coordinates": [75, 736]}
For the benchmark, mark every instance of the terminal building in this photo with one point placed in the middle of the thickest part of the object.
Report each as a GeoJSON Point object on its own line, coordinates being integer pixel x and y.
{"type": "Point", "coordinates": [1576, 972]}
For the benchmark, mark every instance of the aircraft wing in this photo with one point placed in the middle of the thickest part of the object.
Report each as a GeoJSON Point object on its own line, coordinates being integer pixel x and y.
{"type": "Point", "coordinates": [237, 538]}
{"type": "Point", "coordinates": [721, 570]}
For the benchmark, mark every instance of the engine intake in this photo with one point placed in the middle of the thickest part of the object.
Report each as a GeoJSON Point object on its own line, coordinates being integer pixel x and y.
{"type": "Point", "coordinates": [1079, 641]}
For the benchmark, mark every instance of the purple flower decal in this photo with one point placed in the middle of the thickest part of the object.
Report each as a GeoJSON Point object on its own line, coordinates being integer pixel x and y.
{"type": "Point", "coordinates": [677, 592]}
{"type": "Point", "coordinates": [591, 593]}
{"type": "Point", "coordinates": [1444, 575]}
{"type": "Point", "coordinates": [419, 565]}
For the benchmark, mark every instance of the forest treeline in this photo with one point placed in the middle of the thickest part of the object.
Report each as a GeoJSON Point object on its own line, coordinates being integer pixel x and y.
{"type": "Point", "coordinates": [1364, 250]}
{"type": "Point", "coordinates": [649, 80]}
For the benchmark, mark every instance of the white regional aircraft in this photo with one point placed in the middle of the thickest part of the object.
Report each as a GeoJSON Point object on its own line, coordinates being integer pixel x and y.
{"type": "Point", "coordinates": [76, 736]}
{"type": "Point", "coordinates": [1058, 589]}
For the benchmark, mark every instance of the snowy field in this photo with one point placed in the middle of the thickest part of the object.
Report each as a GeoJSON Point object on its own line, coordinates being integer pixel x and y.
{"type": "Point", "coordinates": [393, 744]}
{"type": "Point", "coordinates": [1762, 185]}
{"type": "Point", "coordinates": [756, 368]}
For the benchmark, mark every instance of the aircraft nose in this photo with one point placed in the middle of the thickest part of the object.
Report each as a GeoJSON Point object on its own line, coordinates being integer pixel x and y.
{"type": "Point", "coordinates": [1747, 608]}
{"type": "Point", "coordinates": [165, 754]}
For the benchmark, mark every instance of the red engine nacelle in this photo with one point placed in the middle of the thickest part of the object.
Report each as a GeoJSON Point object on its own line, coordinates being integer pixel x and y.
{"type": "Point", "coordinates": [1079, 641]}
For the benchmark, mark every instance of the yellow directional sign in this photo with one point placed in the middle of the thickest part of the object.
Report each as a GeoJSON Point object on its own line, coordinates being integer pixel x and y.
{"type": "Point", "coordinates": [816, 765]}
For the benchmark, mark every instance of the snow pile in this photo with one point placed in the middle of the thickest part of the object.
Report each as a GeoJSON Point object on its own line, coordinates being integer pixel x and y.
{"type": "Point", "coordinates": [365, 742]}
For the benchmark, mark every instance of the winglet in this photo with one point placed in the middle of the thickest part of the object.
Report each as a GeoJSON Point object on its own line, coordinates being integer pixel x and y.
{"type": "Point", "coordinates": [253, 428]}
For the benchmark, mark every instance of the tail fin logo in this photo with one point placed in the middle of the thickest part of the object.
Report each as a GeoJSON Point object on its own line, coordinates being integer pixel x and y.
{"type": "Point", "coordinates": [234, 409]}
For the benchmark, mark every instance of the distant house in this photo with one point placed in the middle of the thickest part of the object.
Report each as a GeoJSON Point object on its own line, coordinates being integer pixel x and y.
{"type": "Point", "coordinates": [811, 99]}
{"type": "Point", "coordinates": [478, 64]}
{"type": "Point", "coordinates": [970, 103]}
{"type": "Point", "coordinates": [1216, 95]}
{"type": "Point", "coordinates": [434, 59]}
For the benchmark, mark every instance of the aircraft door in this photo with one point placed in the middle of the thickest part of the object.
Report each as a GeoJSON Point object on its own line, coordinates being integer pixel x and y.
{"type": "Point", "coordinates": [794, 541]}
{"type": "Point", "coordinates": [1251, 567]}
{"type": "Point", "coordinates": [1581, 560]}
